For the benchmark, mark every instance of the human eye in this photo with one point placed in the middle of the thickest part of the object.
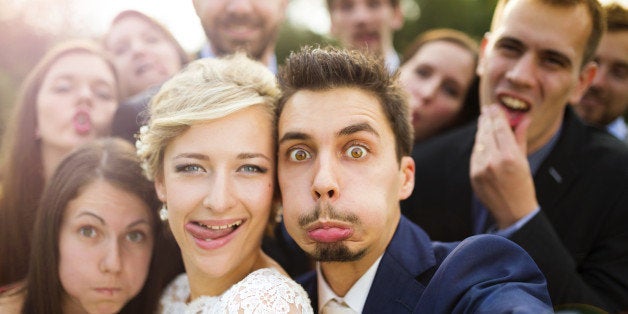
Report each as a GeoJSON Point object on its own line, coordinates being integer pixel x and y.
{"type": "Point", "coordinates": [252, 169]}
{"type": "Point", "coordinates": [136, 236]}
{"type": "Point", "coordinates": [188, 168]}
{"type": "Point", "coordinates": [87, 231]}
{"type": "Point", "coordinates": [556, 61]}
{"type": "Point", "coordinates": [620, 72]}
{"type": "Point", "coordinates": [103, 92]}
{"type": "Point", "coordinates": [374, 4]}
{"type": "Point", "coordinates": [120, 48]}
{"type": "Point", "coordinates": [62, 86]}
{"type": "Point", "coordinates": [509, 47]}
{"type": "Point", "coordinates": [423, 72]}
{"type": "Point", "coordinates": [356, 151]}
{"type": "Point", "coordinates": [299, 154]}
{"type": "Point", "coordinates": [451, 90]}
{"type": "Point", "coordinates": [152, 38]}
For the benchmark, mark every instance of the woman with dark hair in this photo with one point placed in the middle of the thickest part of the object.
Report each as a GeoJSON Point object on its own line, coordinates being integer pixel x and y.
{"type": "Point", "coordinates": [98, 245]}
{"type": "Point", "coordinates": [438, 72]}
{"type": "Point", "coordinates": [68, 99]}
{"type": "Point", "coordinates": [145, 55]}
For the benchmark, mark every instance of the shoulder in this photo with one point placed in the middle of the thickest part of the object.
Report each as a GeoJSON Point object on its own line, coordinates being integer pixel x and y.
{"type": "Point", "coordinates": [267, 291]}
{"type": "Point", "coordinates": [456, 141]}
{"type": "Point", "coordinates": [488, 272]}
{"type": "Point", "coordinates": [12, 297]}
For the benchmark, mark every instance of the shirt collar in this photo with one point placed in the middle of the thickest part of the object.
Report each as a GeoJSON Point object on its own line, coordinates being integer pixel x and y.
{"type": "Point", "coordinates": [618, 128]}
{"type": "Point", "coordinates": [535, 159]}
{"type": "Point", "coordinates": [206, 52]}
{"type": "Point", "coordinates": [355, 297]}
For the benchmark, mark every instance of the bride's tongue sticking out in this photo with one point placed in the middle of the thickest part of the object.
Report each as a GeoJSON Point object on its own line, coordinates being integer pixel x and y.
{"type": "Point", "coordinates": [211, 236]}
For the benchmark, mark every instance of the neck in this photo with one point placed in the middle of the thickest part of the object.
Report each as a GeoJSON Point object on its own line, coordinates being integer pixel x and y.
{"type": "Point", "coordinates": [341, 276]}
{"type": "Point", "coordinates": [204, 284]}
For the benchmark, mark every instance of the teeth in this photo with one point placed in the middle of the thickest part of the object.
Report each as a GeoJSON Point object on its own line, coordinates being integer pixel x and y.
{"type": "Point", "coordinates": [514, 103]}
{"type": "Point", "coordinates": [223, 227]}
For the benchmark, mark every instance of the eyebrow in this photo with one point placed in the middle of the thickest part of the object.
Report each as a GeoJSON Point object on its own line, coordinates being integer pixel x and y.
{"type": "Point", "coordinates": [102, 221]}
{"type": "Point", "coordinates": [253, 155]}
{"type": "Point", "coordinates": [191, 155]}
{"type": "Point", "coordinates": [348, 130]}
{"type": "Point", "coordinates": [358, 127]}
{"type": "Point", "coordinates": [205, 157]}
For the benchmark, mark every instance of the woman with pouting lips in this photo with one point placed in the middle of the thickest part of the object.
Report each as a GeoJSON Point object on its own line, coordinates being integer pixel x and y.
{"type": "Point", "coordinates": [438, 72]}
{"type": "Point", "coordinates": [210, 148]}
{"type": "Point", "coordinates": [67, 100]}
{"type": "Point", "coordinates": [98, 245]}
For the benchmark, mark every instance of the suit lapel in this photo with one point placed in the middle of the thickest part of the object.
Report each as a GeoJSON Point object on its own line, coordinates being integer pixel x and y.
{"type": "Point", "coordinates": [560, 168]}
{"type": "Point", "coordinates": [394, 288]}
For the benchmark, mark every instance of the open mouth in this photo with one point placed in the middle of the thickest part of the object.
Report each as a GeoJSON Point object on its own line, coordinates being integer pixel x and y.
{"type": "Point", "coordinates": [208, 233]}
{"type": "Point", "coordinates": [516, 109]}
{"type": "Point", "coordinates": [514, 103]}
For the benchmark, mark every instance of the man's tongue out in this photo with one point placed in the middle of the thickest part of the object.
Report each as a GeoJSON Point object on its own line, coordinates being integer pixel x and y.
{"type": "Point", "coordinates": [205, 233]}
{"type": "Point", "coordinates": [82, 122]}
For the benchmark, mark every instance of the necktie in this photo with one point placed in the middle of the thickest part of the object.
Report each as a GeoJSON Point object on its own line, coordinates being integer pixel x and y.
{"type": "Point", "coordinates": [334, 307]}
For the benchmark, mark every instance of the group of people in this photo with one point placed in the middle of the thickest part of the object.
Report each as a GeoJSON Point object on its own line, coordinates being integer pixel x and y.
{"type": "Point", "coordinates": [327, 183]}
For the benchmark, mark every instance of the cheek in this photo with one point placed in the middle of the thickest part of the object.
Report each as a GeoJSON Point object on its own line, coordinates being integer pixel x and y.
{"type": "Point", "coordinates": [137, 269]}
{"type": "Point", "coordinates": [75, 267]}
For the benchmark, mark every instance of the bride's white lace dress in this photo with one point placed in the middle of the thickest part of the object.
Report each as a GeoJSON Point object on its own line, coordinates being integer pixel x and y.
{"type": "Point", "coordinates": [262, 291]}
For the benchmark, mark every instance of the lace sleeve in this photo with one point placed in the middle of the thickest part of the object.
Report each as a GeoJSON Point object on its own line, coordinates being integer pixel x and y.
{"type": "Point", "coordinates": [266, 291]}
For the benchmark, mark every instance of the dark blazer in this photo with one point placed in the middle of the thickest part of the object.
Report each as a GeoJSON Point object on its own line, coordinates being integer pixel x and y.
{"type": "Point", "coordinates": [580, 237]}
{"type": "Point", "coordinates": [482, 274]}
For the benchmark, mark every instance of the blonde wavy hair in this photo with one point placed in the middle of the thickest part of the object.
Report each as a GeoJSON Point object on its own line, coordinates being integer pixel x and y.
{"type": "Point", "coordinates": [205, 90]}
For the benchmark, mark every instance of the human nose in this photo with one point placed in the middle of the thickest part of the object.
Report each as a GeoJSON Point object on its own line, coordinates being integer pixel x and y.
{"type": "Point", "coordinates": [523, 71]}
{"type": "Point", "coordinates": [112, 259]}
{"type": "Point", "coordinates": [85, 95]}
{"type": "Point", "coordinates": [427, 89]}
{"type": "Point", "coordinates": [219, 197]}
{"type": "Point", "coordinates": [325, 184]}
{"type": "Point", "coordinates": [137, 48]}
{"type": "Point", "coordinates": [239, 6]}
{"type": "Point", "coordinates": [361, 13]}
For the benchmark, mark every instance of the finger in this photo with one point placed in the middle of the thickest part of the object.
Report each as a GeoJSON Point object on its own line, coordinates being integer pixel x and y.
{"type": "Point", "coordinates": [521, 134]}
{"type": "Point", "coordinates": [504, 137]}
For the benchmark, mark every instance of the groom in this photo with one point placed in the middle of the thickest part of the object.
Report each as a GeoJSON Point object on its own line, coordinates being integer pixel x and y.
{"type": "Point", "coordinates": [343, 165]}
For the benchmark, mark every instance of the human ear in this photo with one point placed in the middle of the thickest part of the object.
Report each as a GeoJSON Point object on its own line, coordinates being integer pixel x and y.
{"type": "Point", "coordinates": [406, 177]}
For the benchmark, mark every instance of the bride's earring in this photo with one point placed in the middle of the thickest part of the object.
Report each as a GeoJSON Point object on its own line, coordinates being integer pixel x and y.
{"type": "Point", "coordinates": [163, 212]}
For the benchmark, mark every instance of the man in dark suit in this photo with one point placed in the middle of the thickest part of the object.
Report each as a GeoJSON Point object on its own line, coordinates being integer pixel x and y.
{"type": "Point", "coordinates": [530, 170]}
{"type": "Point", "coordinates": [344, 163]}
{"type": "Point", "coordinates": [606, 101]}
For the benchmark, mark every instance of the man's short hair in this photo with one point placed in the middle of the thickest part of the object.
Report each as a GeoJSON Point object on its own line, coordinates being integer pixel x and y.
{"type": "Point", "coordinates": [322, 69]}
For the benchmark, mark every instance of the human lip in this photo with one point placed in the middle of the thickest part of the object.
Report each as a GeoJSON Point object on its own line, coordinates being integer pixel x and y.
{"type": "Point", "coordinates": [366, 37]}
{"type": "Point", "coordinates": [328, 232]}
{"type": "Point", "coordinates": [108, 291]}
{"type": "Point", "coordinates": [515, 108]}
{"type": "Point", "coordinates": [589, 99]}
{"type": "Point", "coordinates": [212, 234]}
{"type": "Point", "coordinates": [82, 122]}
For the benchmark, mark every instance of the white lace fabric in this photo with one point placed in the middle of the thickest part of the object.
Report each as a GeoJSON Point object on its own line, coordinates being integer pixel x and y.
{"type": "Point", "coordinates": [262, 291]}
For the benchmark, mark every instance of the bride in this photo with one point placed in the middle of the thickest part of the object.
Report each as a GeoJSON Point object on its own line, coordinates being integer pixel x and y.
{"type": "Point", "coordinates": [210, 148]}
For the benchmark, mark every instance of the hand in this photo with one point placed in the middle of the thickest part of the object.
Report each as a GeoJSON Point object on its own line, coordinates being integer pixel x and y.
{"type": "Point", "coordinates": [499, 170]}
